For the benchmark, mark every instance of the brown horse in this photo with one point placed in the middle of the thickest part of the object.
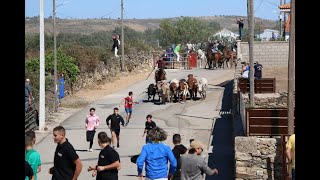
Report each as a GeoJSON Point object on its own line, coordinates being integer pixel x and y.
{"type": "Point", "coordinates": [209, 55]}
{"type": "Point", "coordinates": [218, 59]}
{"type": "Point", "coordinates": [228, 56]}
{"type": "Point", "coordinates": [160, 75]}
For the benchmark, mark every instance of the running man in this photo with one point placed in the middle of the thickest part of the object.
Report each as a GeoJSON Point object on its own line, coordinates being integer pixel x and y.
{"type": "Point", "coordinates": [128, 102]}
{"type": "Point", "coordinates": [148, 126]}
{"type": "Point", "coordinates": [114, 127]}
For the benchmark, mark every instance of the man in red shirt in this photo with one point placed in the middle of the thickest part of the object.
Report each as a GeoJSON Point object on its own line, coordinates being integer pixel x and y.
{"type": "Point", "coordinates": [128, 102]}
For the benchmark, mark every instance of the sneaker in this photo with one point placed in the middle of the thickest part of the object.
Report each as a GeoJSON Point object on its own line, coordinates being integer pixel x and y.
{"type": "Point", "coordinates": [90, 150]}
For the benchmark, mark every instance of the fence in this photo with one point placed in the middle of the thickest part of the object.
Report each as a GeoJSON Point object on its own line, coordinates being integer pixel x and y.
{"type": "Point", "coordinates": [263, 85]}
{"type": "Point", "coordinates": [31, 119]}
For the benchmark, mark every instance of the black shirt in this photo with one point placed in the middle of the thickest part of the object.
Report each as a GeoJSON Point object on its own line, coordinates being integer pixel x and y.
{"type": "Point", "coordinates": [108, 156]}
{"type": "Point", "coordinates": [64, 158]}
{"type": "Point", "coordinates": [240, 24]}
{"type": "Point", "coordinates": [258, 71]}
{"type": "Point", "coordinates": [178, 150]}
{"type": "Point", "coordinates": [28, 170]}
{"type": "Point", "coordinates": [115, 121]}
{"type": "Point", "coordinates": [149, 126]}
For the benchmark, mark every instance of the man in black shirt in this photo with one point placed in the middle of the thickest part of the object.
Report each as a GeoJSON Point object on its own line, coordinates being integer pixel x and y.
{"type": "Point", "coordinates": [258, 70]}
{"type": "Point", "coordinates": [240, 27]}
{"type": "Point", "coordinates": [116, 119]}
{"type": "Point", "coordinates": [28, 171]}
{"type": "Point", "coordinates": [67, 165]}
{"type": "Point", "coordinates": [148, 126]}
{"type": "Point", "coordinates": [178, 150]}
{"type": "Point", "coordinates": [108, 162]}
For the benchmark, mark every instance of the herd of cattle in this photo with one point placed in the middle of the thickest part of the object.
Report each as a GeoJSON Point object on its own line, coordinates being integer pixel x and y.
{"type": "Point", "coordinates": [176, 90]}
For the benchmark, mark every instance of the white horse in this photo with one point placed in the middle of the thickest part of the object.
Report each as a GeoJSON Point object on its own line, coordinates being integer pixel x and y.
{"type": "Point", "coordinates": [201, 57]}
{"type": "Point", "coordinates": [202, 87]}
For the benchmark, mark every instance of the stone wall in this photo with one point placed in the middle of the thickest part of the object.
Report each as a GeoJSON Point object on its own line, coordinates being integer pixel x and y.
{"type": "Point", "coordinates": [269, 54]}
{"type": "Point", "coordinates": [258, 158]}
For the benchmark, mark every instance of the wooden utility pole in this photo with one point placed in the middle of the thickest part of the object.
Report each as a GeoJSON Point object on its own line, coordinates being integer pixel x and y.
{"type": "Point", "coordinates": [291, 72]}
{"type": "Point", "coordinates": [284, 22]}
{"type": "Point", "coordinates": [55, 58]}
{"type": "Point", "coordinates": [280, 19]}
{"type": "Point", "coordinates": [251, 39]}
{"type": "Point", "coordinates": [122, 39]}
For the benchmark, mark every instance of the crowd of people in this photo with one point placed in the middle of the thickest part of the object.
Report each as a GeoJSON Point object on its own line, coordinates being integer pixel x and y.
{"type": "Point", "coordinates": [156, 158]}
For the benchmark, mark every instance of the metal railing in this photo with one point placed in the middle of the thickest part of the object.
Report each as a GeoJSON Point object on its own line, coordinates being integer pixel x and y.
{"type": "Point", "coordinates": [31, 119]}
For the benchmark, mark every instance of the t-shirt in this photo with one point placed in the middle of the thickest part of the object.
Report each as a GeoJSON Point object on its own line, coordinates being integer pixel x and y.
{"type": "Point", "coordinates": [27, 89]}
{"type": "Point", "coordinates": [115, 121]}
{"type": "Point", "coordinates": [64, 158]}
{"type": "Point", "coordinates": [291, 144]}
{"type": "Point", "coordinates": [149, 126]}
{"type": "Point", "coordinates": [28, 170]}
{"type": "Point", "coordinates": [33, 158]}
{"type": "Point", "coordinates": [107, 156]}
{"type": "Point", "coordinates": [128, 102]}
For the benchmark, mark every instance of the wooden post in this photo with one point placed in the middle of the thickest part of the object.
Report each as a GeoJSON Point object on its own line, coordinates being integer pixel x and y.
{"type": "Point", "coordinates": [251, 39]}
{"type": "Point", "coordinates": [291, 72]}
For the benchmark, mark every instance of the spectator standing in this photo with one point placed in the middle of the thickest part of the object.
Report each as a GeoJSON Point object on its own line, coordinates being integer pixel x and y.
{"type": "Point", "coordinates": [240, 23]}
{"type": "Point", "coordinates": [258, 70]}
{"type": "Point", "coordinates": [114, 126]}
{"type": "Point", "coordinates": [32, 134]}
{"type": "Point", "coordinates": [32, 157]}
{"type": "Point", "coordinates": [245, 71]}
{"type": "Point", "coordinates": [193, 165]}
{"type": "Point", "coordinates": [150, 124]}
{"type": "Point", "coordinates": [92, 122]}
{"type": "Point", "coordinates": [108, 162]}
{"type": "Point", "coordinates": [67, 164]}
{"type": "Point", "coordinates": [176, 51]}
{"type": "Point", "coordinates": [116, 44]}
{"type": "Point", "coordinates": [155, 156]}
{"type": "Point", "coordinates": [290, 152]}
{"type": "Point", "coordinates": [27, 94]}
{"type": "Point", "coordinates": [178, 150]}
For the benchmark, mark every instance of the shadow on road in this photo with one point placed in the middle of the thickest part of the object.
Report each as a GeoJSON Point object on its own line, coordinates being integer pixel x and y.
{"type": "Point", "coordinates": [222, 156]}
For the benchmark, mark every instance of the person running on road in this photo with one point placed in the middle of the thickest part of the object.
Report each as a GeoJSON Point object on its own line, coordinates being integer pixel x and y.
{"type": "Point", "coordinates": [92, 122]}
{"type": "Point", "coordinates": [108, 162]}
{"type": "Point", "coordinates": [128, 102]}
{"type": "Point", "coordinates": [114, 127]}
{"type": "Point", "coordinates": [148, 126]}
{"type": "Point", "coordinates": [67, 164]}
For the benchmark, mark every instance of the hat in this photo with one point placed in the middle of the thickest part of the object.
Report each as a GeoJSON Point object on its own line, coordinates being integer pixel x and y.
{"type": "Point", "coordinates": [196, 144]}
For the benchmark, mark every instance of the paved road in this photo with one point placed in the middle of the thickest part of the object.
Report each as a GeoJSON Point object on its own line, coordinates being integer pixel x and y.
{"type": "Point", "coordinates": [193, 119]}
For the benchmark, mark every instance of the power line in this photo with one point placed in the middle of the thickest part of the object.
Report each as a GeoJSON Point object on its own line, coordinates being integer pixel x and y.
{"type": "Point", "coordinates": [258, 6]}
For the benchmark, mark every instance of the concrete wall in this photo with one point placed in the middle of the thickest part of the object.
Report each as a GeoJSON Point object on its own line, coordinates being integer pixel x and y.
{"type": "Point", "coordinates": [269, 54]}
{"type": "Point", "coordinates": [258, 158]}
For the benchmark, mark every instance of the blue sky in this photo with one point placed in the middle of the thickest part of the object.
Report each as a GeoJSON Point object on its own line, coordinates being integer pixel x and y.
{"type": "Point", "coordinates": [143, 9]}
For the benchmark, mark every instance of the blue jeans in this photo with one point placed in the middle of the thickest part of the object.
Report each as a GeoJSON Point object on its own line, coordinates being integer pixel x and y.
{"type": "Point", "coordinates": [293, 174]}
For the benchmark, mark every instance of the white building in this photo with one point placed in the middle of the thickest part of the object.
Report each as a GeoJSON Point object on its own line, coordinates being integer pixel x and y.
{"type": "Point", "coordinates": [226, 33]}
{"type": "Point", "coordinates": [268, 34]}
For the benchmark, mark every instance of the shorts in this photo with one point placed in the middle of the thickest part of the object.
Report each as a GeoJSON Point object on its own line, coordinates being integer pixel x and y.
{"type": "Point", "coordinates": [128, 110]}
{"type": "Point", "coordinates": [116, 131]}
{"type": "Point", "coordinates": [90, 135]}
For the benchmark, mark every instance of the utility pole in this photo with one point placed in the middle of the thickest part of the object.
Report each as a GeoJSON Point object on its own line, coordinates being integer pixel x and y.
{"type": "Point", "coordinates": [284, 22]}
{"type": "Point", "coordinates": [251, 39]}
{"type": "Point", "coordinates": [280, 19]}
{"type": "Point", "coordinates": [122, 39]}
{"type": "Point", "coordinates": [42, 73]}
{"type": "Point", "coordinates": [55, 58]}
{"type": "Point", "coordinates": [291, 72]}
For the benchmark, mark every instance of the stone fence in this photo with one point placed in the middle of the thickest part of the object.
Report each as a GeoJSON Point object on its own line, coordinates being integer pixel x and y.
{"type": "Point", "coordinates": [269, 54]}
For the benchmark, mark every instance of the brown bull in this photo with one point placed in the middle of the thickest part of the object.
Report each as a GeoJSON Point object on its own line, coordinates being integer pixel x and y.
{"type": "Point", "coordinates": [193, 86]}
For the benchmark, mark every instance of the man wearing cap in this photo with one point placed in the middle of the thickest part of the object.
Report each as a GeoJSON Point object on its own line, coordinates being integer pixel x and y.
{"type": "Point", "coordinates": [193, 165]}
{"type": "Point", "coordinates": [27, 94]}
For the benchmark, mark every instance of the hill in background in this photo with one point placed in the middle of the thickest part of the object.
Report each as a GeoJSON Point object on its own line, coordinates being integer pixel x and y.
{"type": "Point", "coordinates": [88, 26]}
